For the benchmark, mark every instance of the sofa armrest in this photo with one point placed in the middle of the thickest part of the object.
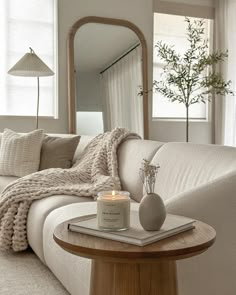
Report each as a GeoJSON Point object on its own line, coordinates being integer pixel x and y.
{"type": "Point", "coordinates": [214, 203]}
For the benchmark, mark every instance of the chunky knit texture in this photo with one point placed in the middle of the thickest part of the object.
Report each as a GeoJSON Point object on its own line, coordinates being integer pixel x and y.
{"type": "Point", "coordinates": [97, 170]}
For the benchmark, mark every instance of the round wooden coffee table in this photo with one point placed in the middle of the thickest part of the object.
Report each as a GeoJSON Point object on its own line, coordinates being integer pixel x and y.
{"type": "Point", "coordinates": [124, 269]}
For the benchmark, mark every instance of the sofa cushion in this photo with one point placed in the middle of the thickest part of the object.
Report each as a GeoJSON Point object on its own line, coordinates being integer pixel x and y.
{"type": "Point", "coordinates": [84, 140]}
{"type": "Point", "coordinates": [130, 156]}
{"type": "Point", "coordinates": [184, 166]}
{"type": "Point", "coordinates": [39, 211]}
{"type": "Point", "coordinates": [20, 153]}
{"type": "Point", "coordinates": [58, 152]}
{"type": "Point", "coordinates": [5, 180]}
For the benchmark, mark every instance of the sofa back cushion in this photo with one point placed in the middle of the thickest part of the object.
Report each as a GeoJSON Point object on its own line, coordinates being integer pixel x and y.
{"type": "Point", "coordinates": [20, 153]}
{"type": "Point", "coordinates": [184, 166]}
{"type": "Point", "coordinates": [130, 156]}
{"type": "Point", "coordinates": [84, 140]}
{"type": "Point", "coordinates": [58, 152]}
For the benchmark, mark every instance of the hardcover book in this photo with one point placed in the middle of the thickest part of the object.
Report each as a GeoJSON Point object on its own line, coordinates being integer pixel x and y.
{"type": "Point", "coordinates": [135, 235]}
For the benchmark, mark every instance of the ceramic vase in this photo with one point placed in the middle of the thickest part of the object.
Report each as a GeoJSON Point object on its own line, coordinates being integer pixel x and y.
{"type": "Point", "coordinates": [152, 212]}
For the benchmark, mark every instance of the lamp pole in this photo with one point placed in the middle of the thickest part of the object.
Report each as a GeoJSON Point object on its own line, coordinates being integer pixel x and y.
{"type": "Point", "coordinates": [30, 65]}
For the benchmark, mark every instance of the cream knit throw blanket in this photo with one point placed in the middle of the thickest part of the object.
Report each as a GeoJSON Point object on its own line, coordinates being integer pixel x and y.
{"type": "Point", "coordinates": [97, 170]}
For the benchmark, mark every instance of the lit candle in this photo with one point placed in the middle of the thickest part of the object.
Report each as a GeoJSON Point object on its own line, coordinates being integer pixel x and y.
{"type": "Point", "coordinates": [113, 210]}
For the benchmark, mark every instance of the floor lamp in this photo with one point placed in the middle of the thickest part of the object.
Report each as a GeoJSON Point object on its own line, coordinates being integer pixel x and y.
{"type": "Point", "coordinates": [30, 65]}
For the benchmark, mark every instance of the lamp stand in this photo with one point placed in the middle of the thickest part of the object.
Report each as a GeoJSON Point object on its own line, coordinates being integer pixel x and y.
{"type": "Point", "coordinates": [30, 65]}
{"type": "Point", "coordinates": [37, 114]}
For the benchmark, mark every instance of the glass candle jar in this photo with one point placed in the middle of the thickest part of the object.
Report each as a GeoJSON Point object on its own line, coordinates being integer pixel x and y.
{"type": "Point", "coordinates": [113, 210]}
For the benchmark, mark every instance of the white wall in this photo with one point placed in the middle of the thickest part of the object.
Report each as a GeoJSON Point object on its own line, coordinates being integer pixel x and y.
{"type": "Point", "coordinates": [137, 11]}
{"type": "Point", "coordinates": [89, 92]}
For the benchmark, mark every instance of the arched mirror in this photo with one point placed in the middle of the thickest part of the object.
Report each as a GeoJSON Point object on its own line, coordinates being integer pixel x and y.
{"type": "Point", "coordinates": [107, 68]}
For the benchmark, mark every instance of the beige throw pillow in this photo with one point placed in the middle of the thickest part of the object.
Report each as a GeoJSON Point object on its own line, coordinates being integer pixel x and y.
{"type": "Point", "coordinates": [20, 153]}
{"type": "Point", "coordinates": [58, 152]}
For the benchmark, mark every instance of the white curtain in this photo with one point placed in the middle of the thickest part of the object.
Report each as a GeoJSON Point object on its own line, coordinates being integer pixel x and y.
{"type": "Point", "coordinates": [225, 107]}
{"type": "Point", "coordinates": [121, 82]}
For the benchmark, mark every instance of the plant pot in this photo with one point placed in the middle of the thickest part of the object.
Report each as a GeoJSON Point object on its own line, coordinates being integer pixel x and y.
{"type": "Point", "coordinates": [152, 212]}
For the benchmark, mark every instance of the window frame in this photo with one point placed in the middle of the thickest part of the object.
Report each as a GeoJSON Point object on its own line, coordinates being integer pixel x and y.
{"type": "Point", "coordinates": [55, 76]}
{"type": "Point", "coordinates": [201, 12]}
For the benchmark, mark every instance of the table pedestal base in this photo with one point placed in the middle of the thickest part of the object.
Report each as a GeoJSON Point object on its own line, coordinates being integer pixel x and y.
{"type": "Point", "coordinates": [108, 278]}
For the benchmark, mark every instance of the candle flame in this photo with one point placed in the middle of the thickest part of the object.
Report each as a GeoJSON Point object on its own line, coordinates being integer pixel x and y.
{"type": "Point", "coordinates": [113, 193]}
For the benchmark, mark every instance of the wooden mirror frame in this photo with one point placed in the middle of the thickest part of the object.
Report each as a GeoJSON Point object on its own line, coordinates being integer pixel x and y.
{"type": "Point", "coordinates": [71, 66]}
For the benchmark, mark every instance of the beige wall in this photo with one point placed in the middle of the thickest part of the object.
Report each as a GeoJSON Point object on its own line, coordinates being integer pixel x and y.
{"type": "Point", "coordinates": [206, 3]}
{"type": "Point", "coordinates": [137, 11]}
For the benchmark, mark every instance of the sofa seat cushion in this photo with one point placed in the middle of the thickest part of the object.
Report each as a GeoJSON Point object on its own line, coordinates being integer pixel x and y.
{"type": "Point", "coordinates": [72, 271]}
{"type": "Point", "coordinates": [5, 180]}
{"type": "Point", "coordinates": [38, 212]}
{"type": "Point", "coordinates": [184, 166]}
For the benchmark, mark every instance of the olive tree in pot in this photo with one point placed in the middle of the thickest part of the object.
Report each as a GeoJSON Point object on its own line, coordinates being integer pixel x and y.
{"type": "Point", "coordinates": [191, 78]}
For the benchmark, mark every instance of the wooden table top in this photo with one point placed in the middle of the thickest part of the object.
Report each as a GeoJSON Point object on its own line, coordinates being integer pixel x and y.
{"type": "Point", "coordinates": [182, 245]}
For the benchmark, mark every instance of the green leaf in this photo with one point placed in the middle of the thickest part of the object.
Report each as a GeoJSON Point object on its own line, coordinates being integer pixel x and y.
{"type": "Point", "coordinates": [187, 78]}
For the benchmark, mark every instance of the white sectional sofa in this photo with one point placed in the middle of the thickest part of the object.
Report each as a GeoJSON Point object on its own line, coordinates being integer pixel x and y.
{"type": "Point", "coordinates": [194, 180]}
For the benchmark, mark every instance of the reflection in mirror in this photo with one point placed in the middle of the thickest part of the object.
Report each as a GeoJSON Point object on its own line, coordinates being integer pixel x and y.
{"type": "Point", "coordinates": [108, 76]}
{"type": "Point", "coordinates": [107, 65]}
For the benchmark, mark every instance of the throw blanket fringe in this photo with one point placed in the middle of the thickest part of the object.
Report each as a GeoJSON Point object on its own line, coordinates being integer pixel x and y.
{"type": "Point", "coordinates": [95, 171]}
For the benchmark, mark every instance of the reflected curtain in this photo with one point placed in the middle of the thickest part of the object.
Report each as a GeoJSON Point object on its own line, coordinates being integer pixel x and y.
{"type": "Point", "coordinates": [121, 82]}
{"type": "Point", "coordinates": [225, 107]}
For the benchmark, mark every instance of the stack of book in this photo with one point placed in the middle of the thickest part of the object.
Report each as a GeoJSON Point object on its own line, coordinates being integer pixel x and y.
{"type": "Point", "coordinates": [135, 235]}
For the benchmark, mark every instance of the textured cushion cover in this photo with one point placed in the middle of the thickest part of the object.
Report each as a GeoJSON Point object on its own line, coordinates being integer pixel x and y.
{"type": "Point", "coordinates": [20, 153]}
{"type": "Point", "coordinates": [58, 152]}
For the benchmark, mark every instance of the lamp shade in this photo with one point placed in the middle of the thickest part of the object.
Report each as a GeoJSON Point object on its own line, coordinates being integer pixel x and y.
{"type": "Point", "coordinates": [30, 65]}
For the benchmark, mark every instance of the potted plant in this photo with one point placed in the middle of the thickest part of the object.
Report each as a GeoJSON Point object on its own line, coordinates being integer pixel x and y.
{"type": "Point", "coordinates": [191, 78]}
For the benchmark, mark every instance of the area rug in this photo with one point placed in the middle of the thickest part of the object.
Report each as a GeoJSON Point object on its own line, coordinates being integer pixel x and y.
{"type": "Point", "coordinates": [24, 274]}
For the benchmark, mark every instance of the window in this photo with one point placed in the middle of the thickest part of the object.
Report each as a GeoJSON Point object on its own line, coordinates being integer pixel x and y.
{"type": "Point", "coordinates": [24, 24]}
{"type": "Point", "coordinates": [171, 29]}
